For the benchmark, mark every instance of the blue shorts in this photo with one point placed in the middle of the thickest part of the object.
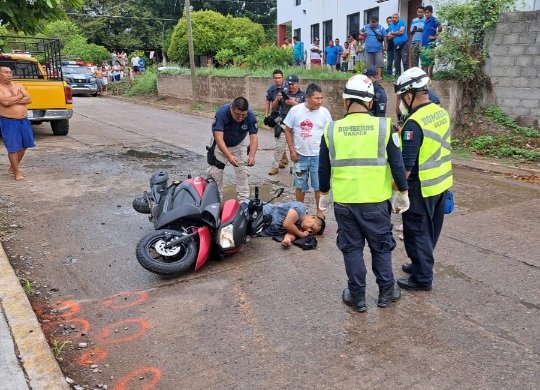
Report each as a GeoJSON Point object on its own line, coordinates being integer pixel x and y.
{"type": "Point", "coordinates": [17, 134]}
{"type": "Point", "coordinates": [306, 168]}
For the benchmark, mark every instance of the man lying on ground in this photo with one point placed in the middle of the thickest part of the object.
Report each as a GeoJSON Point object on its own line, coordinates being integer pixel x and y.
{"type": "Point", "coordinates": [291, 221]}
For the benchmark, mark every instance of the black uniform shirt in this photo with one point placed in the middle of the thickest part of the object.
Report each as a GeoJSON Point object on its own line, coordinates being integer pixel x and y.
{"type": "Point", "coordinates": [379, 101]}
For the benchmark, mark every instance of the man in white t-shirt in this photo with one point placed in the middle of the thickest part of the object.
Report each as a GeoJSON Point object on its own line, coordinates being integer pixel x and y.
{"type": "Point", "coordinates": [135, 63]}
{"type": "Point", "coordinates": [305, 124]}
{"type": "Point", "coordinates": [316, 54]}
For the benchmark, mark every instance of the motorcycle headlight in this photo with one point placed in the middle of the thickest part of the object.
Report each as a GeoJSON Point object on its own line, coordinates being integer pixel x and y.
{"type": "Point", "coordinates": [226, 239]}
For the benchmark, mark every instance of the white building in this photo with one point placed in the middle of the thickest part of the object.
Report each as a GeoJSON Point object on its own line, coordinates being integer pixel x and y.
{"type": "Point", "coordinates": [329, 19]}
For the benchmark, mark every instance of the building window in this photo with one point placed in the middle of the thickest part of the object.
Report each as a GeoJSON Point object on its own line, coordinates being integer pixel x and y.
{"type": "Point", "coordinates": [298, 2]}
{"type": "Point", "coordinates": [327, 32]}
{"type": "Point", "coordinates": [315, 33]}
{"type": "Point", "coordinates": [298, 34]}
{"type": "Point", "coordinates": [371, 13]}
{"type": "Point", "coordinates": [353, 24]}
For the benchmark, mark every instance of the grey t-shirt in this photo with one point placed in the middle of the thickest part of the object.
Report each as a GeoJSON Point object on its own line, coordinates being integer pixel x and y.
{"type": "Point", "coordinates": [278, 212]}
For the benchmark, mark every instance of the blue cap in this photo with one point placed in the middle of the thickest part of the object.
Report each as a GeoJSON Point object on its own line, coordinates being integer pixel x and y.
{"type": "Point", "coordinates": [292, 79]}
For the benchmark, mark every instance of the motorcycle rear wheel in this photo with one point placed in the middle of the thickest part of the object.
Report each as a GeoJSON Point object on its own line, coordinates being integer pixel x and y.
{"type": "Point", "coordinates": [154, 256]}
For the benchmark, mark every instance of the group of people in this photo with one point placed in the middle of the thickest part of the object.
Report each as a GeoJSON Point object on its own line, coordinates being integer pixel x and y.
{"type": "Point", "coordinates": [363, 166]}
{"type": "Point", "coordinates": [373, 43]}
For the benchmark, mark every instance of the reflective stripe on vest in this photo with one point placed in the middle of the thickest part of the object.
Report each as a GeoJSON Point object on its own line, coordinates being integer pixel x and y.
{"type": "Point", "coordinates": [380, 160]}
{"type": "Point", "coordinates": [364, 176]}
{"type": "Point", "coordinates": [434, 158]}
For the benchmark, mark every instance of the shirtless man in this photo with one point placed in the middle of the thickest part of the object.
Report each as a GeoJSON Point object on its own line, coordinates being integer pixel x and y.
{"type": "Point", "coordinates": [17, 132]}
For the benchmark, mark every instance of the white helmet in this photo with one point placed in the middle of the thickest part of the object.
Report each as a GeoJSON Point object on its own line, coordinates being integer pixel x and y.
{"type": "Point", "coordinates": [413, 78]}
{"type": "Point", "coordinates": [359, 87]}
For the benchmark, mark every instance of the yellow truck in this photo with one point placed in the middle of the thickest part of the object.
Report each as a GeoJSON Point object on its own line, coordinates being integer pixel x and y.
{"type": "Point", "coordinates": [36, 64]}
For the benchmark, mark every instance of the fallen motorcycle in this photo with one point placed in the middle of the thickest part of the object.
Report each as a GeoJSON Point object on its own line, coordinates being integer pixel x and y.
{"type": "Point", "coordinates": [190, 223]}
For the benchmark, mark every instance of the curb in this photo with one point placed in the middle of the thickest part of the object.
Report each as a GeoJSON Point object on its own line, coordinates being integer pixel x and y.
{"type": "Point", "coordinates": [495, 167]}
{"type": "Point", "coordinates": [37, 360]}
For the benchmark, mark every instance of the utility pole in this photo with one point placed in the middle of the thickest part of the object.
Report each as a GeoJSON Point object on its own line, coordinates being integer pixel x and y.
{"type": "Point", "coordinates": [191, 52]}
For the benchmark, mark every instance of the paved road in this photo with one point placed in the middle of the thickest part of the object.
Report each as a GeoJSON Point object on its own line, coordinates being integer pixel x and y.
{"type": "Point", "coordinates": [265, 318]}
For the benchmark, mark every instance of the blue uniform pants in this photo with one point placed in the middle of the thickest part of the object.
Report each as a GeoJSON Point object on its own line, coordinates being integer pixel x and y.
{"type": "Point", "coordinates": [358, 223]}
{"type": "Point", "coordinates": [422, 225]}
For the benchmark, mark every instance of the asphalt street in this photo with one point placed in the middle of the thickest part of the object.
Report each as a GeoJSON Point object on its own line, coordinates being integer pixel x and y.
{"type": "Point", "coordinates": [265, 318]}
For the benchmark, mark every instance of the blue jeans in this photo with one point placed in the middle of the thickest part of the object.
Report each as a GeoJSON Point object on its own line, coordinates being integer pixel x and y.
{"type": "Point", "coordinates": [389, 59]}
{"type": "Point", "coordinates": [306, 169]}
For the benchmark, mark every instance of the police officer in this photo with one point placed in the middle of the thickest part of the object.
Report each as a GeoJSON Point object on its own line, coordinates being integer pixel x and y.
{"type": "Point", "coordinates": [232, 125]}
{"type": "Point", "coordinates": [427, 158]}
{"type": "Point", "coordinates": [359, 155]}
{"type": "Point", "coordinates": [378, 108]}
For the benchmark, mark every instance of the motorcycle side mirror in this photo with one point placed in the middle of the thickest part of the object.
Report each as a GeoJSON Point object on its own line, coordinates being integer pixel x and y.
{"type": "Point", "coordinates": [256, 192]}
{"type": "Point", "coordinates": [279, 192]}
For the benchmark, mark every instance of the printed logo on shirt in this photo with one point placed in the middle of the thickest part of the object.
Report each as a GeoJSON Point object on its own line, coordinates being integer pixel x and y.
{"type": "Point", "coordinates": [305, 128]}
{"type": "Point", "coordinates": [408, 136]}
{"type": "Point", "coordinates": [244, 127]}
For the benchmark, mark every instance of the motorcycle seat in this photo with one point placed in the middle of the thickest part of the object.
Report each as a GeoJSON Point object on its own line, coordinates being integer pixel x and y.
{"type": "Point", "coordinates": [186, 212]}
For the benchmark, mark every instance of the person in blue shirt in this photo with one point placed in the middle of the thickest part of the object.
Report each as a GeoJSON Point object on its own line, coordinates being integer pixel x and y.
{"type": "Point", "coordinates": [417, 27]}
{"type": "Point", "coordinates": [432, 28]}
{"type": "Point", "coordinates": [331, 55]}
{"type": "Point", "coordinates": [232, 125]}
{"type": "Point", "coordinates": [298, 52]}
{"type": "Point", "coordinates": [340, 52]}
{"type": "Point", "coordinates": [375, 36]}
{"type": "Point", "coordinates": [398, 31]}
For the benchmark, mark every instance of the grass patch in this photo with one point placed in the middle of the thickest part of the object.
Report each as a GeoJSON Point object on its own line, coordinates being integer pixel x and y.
{"type": "Point", "coordinates": [27, 286]}
{"type": "Point", "coordinates": [58, 348]}
{"type": "Point", "coordinates": [144, 84]}
{"type": "Point", "coordinates": [494, 134]}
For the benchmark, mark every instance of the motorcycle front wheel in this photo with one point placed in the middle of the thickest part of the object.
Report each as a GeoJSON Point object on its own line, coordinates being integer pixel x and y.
{"type": "Point", "coordinates": [154, 255]}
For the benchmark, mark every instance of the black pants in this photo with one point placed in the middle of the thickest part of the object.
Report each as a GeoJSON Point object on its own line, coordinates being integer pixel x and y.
{"type": "Point", "coordinates": [422, 225]}
{"type": "Point", "coordinates": [358, 223]}
{"type": "Point", "coordinates": [401, 55]}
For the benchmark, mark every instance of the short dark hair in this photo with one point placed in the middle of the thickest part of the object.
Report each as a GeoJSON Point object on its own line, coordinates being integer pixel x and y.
{"type": "Point", "coordinates": [240, 103]}
{"type": "Point", "coordinates": [374, 19]}
{"type": "Point", "coordinates": [323, 225]}
{"type": "Point", "coordinates": [422, 7]}
{"type": "Point", "coordinates": [295, 37]}
{"type": "Point", "coordinates": [312, 88]}
{"type": "Point", "coordinates": [277, 71]}
{"type": "Point", "coordinates": [428, 8]}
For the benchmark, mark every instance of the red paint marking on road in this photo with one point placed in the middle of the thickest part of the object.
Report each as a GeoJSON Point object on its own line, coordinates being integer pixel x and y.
{"type": "Point", "coordinates": [141, 379]}
{"type": "Point", "coordinates": [58, 310]}
{"type": "Point", "coordinates": [92, 356]}
{"type": "Point", "coordinates": [111, 333]}
{"type": "Point", "coordinates": [48, 327]}
{"type": "Point", "coordinates": [121, 300]}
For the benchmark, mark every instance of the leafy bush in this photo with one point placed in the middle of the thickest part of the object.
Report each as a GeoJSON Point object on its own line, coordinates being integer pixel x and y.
{"type": "Point", "coordinates": [497, 115]}
{"type": "Point", "coordinates": [144, 84]}
{"type": "Point", "coordinates": [224, 57]}
{"type": "Point", "coordinates": [269, 56]}
{"type": "Point", "coordinates": [211, 32]}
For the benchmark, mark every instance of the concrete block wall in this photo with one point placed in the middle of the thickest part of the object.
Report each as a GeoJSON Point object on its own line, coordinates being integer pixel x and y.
{"type": "Point", "coordinates": [514, 66]}
{"type": "Point", "coordinates": [220, 90]}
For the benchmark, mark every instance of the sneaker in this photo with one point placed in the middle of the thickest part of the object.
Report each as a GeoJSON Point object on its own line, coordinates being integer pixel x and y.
{"type": "Point", "coordinates": [273, 171]}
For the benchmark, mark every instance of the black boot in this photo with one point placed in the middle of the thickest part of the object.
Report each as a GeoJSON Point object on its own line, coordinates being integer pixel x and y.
{"type": "Point", "coordinates": [356, 301]}
{"type": "Point", "coordinates": [388, 294]}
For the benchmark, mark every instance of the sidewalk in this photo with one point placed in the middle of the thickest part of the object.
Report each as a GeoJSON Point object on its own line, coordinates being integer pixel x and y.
{"type": "Point", "coordinates": [26, 361]}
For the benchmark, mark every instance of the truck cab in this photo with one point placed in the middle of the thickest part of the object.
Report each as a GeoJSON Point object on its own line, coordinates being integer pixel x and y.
{"type": "Point", "coordinates": [35, 63]}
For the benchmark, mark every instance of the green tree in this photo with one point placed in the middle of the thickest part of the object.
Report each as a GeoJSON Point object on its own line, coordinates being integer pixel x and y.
{"type": "Point", "coordinates": [28, 16]}
{"type": "Point", "coordinates": [212, 32]}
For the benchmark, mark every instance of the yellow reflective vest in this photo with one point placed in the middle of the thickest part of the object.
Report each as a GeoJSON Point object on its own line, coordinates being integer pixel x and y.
{"type": "Point", "coordinates": [434, 158]}
{"type": "Point", "coordinates": [358, 158]}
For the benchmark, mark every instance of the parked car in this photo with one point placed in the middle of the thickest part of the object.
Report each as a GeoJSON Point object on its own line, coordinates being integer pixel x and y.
{"type": "Point", "coordinates": [81, 79]}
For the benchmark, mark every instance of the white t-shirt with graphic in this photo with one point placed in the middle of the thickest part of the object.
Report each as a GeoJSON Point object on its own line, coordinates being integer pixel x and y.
{"type": "Point", "coordinates": [307, 127]}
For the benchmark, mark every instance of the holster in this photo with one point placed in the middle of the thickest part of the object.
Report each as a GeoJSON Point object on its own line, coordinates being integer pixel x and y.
{"type": "Point", "coordinates": [211, 157]}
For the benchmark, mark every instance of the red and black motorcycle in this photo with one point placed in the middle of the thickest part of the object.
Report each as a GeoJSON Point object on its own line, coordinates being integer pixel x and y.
{"type": "Point", "coordinates": [190, 223]}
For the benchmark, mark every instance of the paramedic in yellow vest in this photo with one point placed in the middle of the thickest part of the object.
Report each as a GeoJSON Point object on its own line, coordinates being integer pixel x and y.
{"type": "Point", "coordinates": [427, 157]}
{"type": "Point", "coordinates": [359, 156]}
